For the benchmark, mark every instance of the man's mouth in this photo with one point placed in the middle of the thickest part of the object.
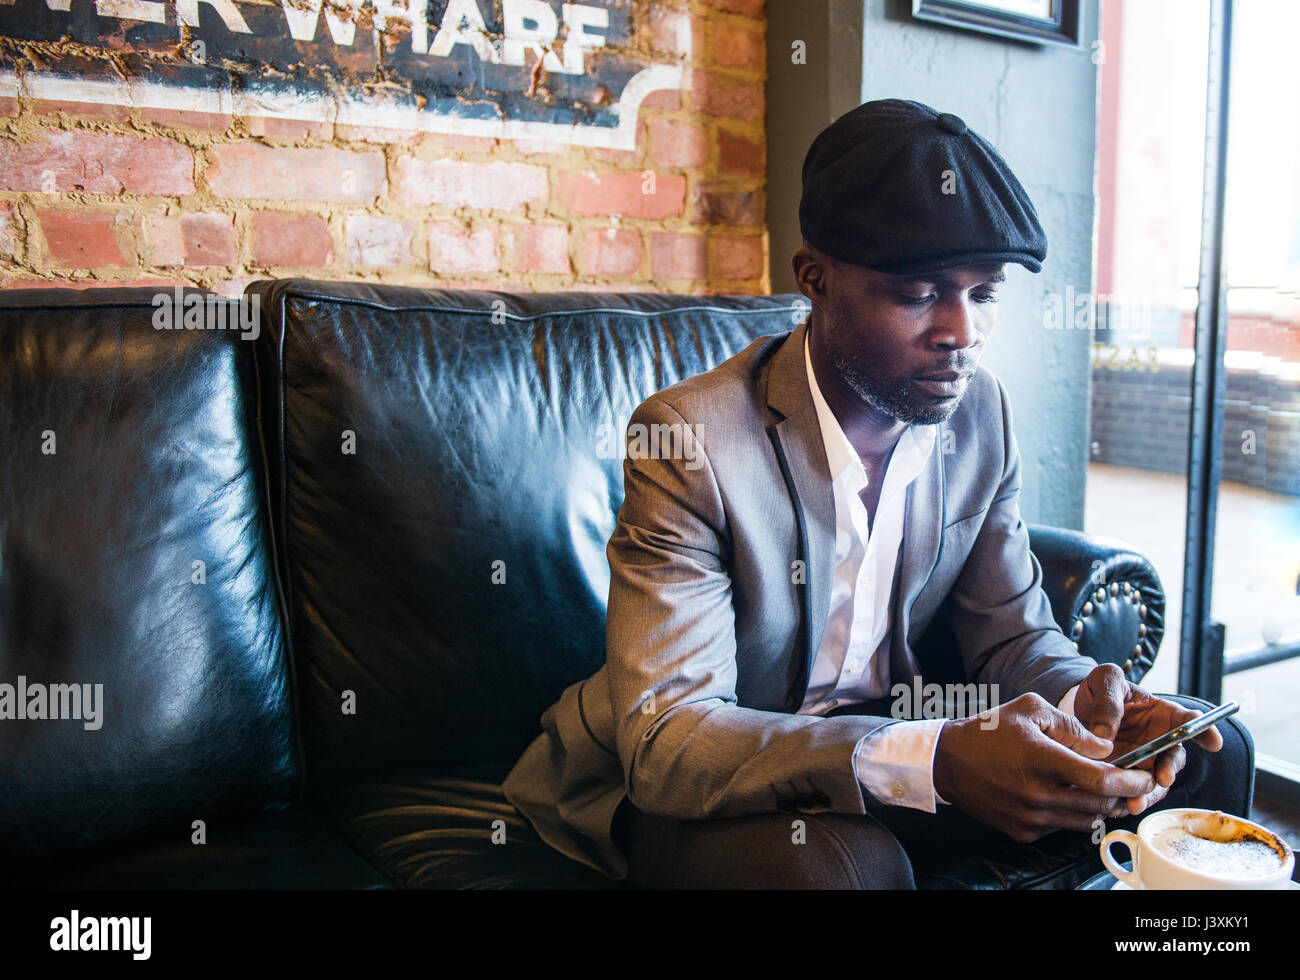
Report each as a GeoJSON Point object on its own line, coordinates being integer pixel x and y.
{"type": "Point", "coordinates": [949, 384]}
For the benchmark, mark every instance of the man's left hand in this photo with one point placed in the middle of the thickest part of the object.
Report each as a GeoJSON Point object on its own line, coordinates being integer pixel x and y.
{"type": "Point", "coordinates": [1110, 707]}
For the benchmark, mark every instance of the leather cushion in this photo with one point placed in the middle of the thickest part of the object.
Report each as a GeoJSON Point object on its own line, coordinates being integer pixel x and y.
{"type": "Point", "coordinates": [436, 829]}
{"type": "Point", "coordinates": [297, 847]}
{"type": "Point", "coordinates": [156, 465]}
{"type": "Point", "coordinates": [447, 494]}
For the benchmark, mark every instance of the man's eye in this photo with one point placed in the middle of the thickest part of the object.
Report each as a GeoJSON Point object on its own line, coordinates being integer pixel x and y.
{"type": "Point", "coordinates": [915, 300]}
{"type": "Point", "coordinates": [985, 297]}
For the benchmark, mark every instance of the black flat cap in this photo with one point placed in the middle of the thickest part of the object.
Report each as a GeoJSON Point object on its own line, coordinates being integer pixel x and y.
{"type": "Point", "coordinates": [897, 187]}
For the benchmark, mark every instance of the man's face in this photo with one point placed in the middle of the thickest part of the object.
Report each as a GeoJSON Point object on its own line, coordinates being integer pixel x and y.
{"type": "Point", "coordinates": [889, 335]}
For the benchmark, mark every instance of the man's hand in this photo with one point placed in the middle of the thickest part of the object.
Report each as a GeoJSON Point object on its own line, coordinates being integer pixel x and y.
{"type": "Point", "coordinates": [1110, 707]}
{"type": "Point", "coordinates": [1032, 773]}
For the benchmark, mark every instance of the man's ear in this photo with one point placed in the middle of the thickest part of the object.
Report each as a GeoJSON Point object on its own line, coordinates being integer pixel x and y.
{"type": "Point", "coordinates": [810, 271]}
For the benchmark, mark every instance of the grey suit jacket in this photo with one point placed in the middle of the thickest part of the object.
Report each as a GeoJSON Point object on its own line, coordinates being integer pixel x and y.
{"type": "Point", "coordinates": [721, 566]}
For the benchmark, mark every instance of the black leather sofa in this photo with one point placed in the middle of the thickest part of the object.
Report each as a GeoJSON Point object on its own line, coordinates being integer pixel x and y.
{"type": "Point", "coordinates": [330, 577]}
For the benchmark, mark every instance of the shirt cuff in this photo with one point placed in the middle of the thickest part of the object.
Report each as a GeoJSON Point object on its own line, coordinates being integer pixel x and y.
{"type": "Point", "coordinates": [1067, 701]}
{"type": "Point", "coordinates": [895, 764]}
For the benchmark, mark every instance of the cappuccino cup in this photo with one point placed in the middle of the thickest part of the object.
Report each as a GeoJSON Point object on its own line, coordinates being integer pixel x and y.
{"type": "Point", "coordinates": [1189, 848]}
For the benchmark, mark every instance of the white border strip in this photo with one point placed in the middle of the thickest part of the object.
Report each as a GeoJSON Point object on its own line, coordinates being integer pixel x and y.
{"type": "Point", "coordinates": [344, 108]}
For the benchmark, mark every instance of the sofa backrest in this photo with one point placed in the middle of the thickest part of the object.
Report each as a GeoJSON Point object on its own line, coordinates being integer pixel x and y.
{"type": "Point", "coordinates": [131, 455]}
{"type": "Point", "coordinates": [448, 476]}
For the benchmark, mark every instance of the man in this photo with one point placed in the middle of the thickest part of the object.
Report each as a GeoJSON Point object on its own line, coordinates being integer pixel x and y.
{"type": "Point", "coordinates": [768, 587]}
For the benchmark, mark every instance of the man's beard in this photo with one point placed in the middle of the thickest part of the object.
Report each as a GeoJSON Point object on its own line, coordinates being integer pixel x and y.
{"type": "Point", "coordinates": [894, 399]}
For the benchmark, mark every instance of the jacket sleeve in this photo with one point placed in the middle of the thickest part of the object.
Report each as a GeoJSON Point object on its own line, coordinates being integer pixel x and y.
{"type": "Point", "coordinates": [687, 749]}
{"type": "Point", "coordinates": [1000, 615]}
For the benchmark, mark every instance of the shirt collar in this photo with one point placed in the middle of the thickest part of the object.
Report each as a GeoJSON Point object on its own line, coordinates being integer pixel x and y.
{"type": "Point", "coordinates": [917, 441]}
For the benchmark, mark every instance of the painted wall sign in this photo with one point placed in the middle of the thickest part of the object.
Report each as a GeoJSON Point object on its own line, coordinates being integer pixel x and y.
{"type": "Point", "coordinates": [569, 72]}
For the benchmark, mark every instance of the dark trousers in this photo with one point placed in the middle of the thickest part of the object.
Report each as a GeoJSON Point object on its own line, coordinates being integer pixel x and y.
{"type": "Point", "coordinates": [837, 850]}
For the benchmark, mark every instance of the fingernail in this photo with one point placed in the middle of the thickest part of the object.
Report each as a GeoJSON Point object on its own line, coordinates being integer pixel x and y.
{"type": "Point", "coordinates": [1100, 731]}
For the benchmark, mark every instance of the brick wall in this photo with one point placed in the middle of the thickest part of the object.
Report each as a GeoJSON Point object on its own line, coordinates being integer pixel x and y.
{"type": "Point", "coordinates": [96, 194]}
{"type": "Point", "coordinates": [1140, 418]}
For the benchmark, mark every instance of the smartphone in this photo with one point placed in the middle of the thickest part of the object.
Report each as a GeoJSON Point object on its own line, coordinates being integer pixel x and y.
{"type": "Point", "coordinates": [1180, 734]}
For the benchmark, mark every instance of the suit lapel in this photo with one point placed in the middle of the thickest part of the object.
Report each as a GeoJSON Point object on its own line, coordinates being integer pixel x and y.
{"type": "Point", "coordinates": [801, 453]}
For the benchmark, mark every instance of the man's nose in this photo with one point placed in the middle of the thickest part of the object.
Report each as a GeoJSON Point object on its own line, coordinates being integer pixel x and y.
{"type": "Point", "coordinates": [956, 324]}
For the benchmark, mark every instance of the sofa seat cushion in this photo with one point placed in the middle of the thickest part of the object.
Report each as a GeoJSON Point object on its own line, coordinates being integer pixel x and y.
{"type": "Point", "coordinates": [434, 829]}
{"type": "Point", "coordinates": [297, 847]}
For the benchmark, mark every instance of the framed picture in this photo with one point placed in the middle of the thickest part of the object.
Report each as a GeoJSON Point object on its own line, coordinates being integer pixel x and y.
{"type": "Point", "coordinates": [1036, 21]}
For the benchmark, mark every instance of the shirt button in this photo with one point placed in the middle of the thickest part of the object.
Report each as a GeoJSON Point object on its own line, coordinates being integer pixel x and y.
{"type": "Point", "coordinates": [899, 791]}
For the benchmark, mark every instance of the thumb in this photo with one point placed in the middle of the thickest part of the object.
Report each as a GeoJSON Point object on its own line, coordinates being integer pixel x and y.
{"type": "Point", "coordinates": [1069, 731]}
{"type": "Point", "coordinates": [1108, 687]}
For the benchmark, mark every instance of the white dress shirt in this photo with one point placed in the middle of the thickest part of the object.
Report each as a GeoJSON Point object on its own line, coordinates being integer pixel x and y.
{"type": "Point", "coordinates": [895, 763]}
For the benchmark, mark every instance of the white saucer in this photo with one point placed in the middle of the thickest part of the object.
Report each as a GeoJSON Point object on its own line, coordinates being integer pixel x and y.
{"type": "Point", "coordinates": [1124, 886]}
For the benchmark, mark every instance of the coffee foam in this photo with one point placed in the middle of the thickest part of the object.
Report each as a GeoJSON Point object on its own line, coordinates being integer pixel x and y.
{"type": "Point", "coordinates": [1220, 845]}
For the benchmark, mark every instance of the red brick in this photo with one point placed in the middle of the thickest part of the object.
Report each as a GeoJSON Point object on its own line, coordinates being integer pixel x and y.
{"type": "Point", "coordinates": [738, 154]}
{"type": "Point", "coordinates": [628, 158]}
{"type": "Point", "coordinates": [457, 141]}
{"type": "Point", "coordinates": [84, 110]}
{"type": "Point", "coordinates": [484, 186]}
{"type": "Point", "coordinates": [534, 147]}
{"type": "Point", "coordinates": [234, 288]}
{"type": "Point", "coordinates": [738, 47]}
{"type": "Point", "coordinates": [678, 256]}
{"type": "Point", "coordinates": [209, 239]}
{"type": "Point", "coordinates": [711, 205]}
{"type": "Point", "coordinates": [455, 249]}
{"type": "Point", "coordinates": [54, 282]}
{"type": "Point", "coordinates": [213, 122]}
{"type": "Point", "coordinates": [8, 106]}
{"type": "Point", "coordinates": [291, 240]}
{"type": "Point", "coordinates": [623, 192]}
{"type": "Point", "coordinates": [166, 240]}
{"type": "Point", "coordinates": [538, 248]}
{"type": "Point", "coordinates": [378, 242]}
{"type": "Point", "coordinates": [291, 173]}
{"type": "Point", "coordinates": [612, 252]}
{"type": "Point", "coordinates": [663, 98]}
{"type": "Point", "coordinates": [623, 287]}
{"type": "Point", "coordinates": [738, 257]}
{"type": "Point", "coordinates": [673, 32]}
{"type": "Point", "coordinates": [679, 143]}
{"type": "Point", "coordinates": [377, 134]}
{"type": "Point", "coordinates": [98, 163]}
{"type": "Point", "coordinates": [191, 240]}
{"type": "Point", "coordinates": [289, 129]}
{"type": "Point", "coordinates": [750, 8]}
{"type": "Point", "coordinates": [8, 233]}
{"type": "Point", "coordinates": [82, 239]}
{"type": "Point", "coordinates": [719, 95]}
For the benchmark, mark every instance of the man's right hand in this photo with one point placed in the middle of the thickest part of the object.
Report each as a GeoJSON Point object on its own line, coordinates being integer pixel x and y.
{"type": "Point", "coordinates": [1033, 772]}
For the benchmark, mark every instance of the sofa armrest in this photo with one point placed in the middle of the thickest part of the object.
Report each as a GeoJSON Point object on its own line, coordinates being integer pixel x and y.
{"type": "Point", "coordinates": [1105, 596]}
